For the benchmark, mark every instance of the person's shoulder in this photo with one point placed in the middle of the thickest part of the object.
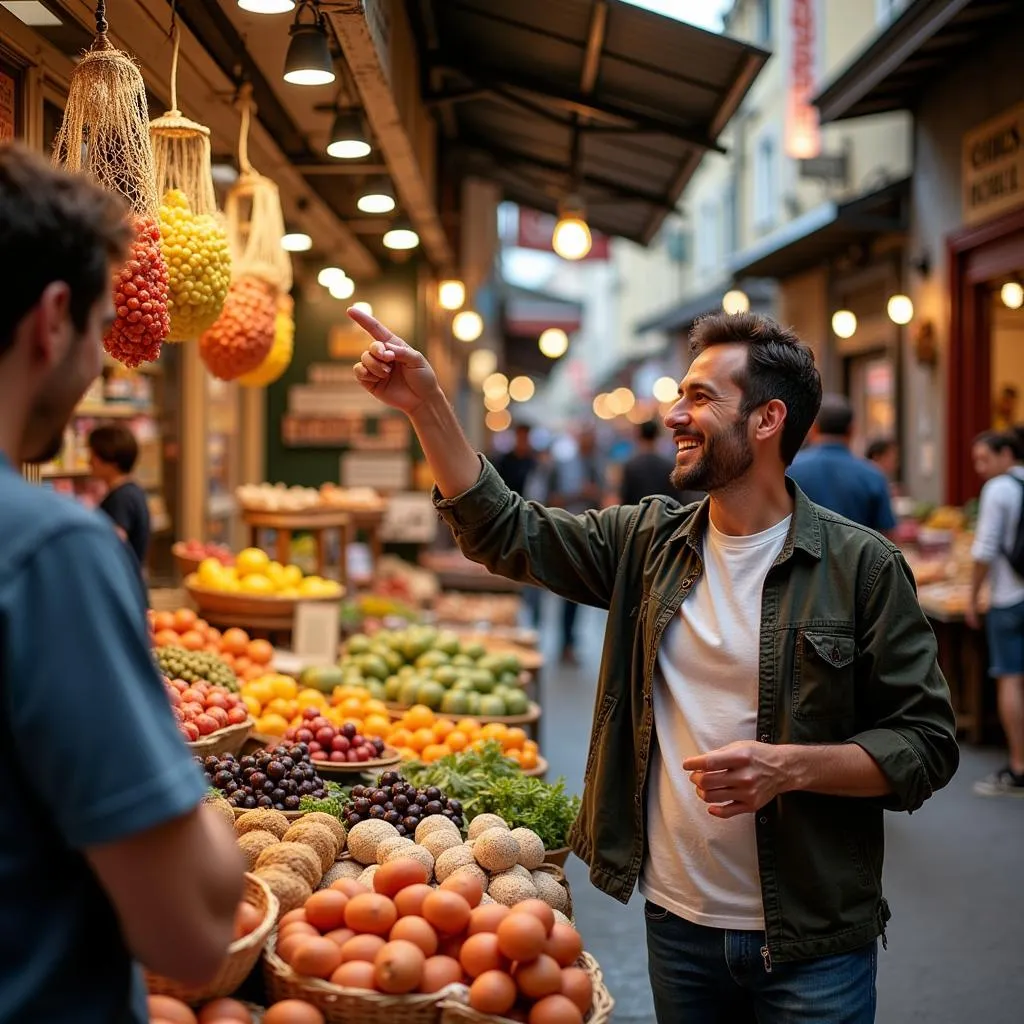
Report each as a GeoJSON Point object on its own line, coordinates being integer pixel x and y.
{"type": "Point", "coordinates": [1000, 487]}
{"type": "Point", "coordinates": [844, 536]}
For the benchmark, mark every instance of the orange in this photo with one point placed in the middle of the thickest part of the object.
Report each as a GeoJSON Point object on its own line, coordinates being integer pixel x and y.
{"type": "Point", "coordinates": [280, 706]}
{"type": "Point", "coordinates": [260, 652]}
{"type": "Point", "coordinates": [271, 725]}
{"type": "Point", "coordinates": [253, 706]}
{"type": "Point", "coordinates": [419, 716]}
{"type": "Point", "coordinates": [185, 619]}
{"type": "Point", "coordinates": [435, 751]}
{"type": "Point", "coordinates": [457, 740]}
{"type": "Point", "coordinates": [400, 737]}
{"type": "Point", "coordinates": [373, 706]}
{"type": "Point", "coordinates": [352, 706]}
{"type": "Point", "coordinates": [376, 725]}
{"type": "Point", "coordinates": [442, 728]}
{"type": "Point", "coordinates": [167, 638]}
{"type": "Point", "coordinates": [527, 759]}
{"type": "Point", "coordinates": [192, 640]}
{"type": "Point", "coordinates": [531, 745]}
{"type": "Point", "coordinates": [408, 754]}
{"type": "Point", "coordinates": [494, 731]}
{"type": "Point", "coordinates": [421, 739]}
{"type": "Point", "coordinates": [162, 621]}
{"type": "Point", "coordinates": [310, 698]}
{"type": "Point", "coordinates": [467, 725]}
{"type": "Point", "coordinates": [235, 641]}
{"type": "Point", "coordinates": [514, 739]}
{"type": "Point", "coordinates": [514, 754]}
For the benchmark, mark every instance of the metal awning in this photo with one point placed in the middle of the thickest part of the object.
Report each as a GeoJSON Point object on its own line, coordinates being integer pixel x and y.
{"type": "Point", "coordinates": [593, 97]}
{"type": "Point", "coordinates": [908, 54]}
{"type": "Point", "coordinates": [824, 232]}
{"type": "Point", "coordinates": [682, 316]}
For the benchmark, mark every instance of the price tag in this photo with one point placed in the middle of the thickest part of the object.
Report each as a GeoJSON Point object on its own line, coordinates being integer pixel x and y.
{"type": "Point", "coordinates": [316, 632]}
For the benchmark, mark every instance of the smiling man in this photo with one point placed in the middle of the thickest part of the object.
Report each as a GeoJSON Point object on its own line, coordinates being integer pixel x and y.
{"type": "Point", "coordinates": [768, 687]}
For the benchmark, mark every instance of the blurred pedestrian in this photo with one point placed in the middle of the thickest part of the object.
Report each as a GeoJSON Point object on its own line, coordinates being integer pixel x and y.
{"type": "Point", "coordinates": [577, 485]}
{"type": "Point", "coordinates": [647, 472]}
{"type": "Point", "coordinates": [515, 465]}
{"type": "Point", "coordinates": [109, 856]}
{"type": "Point", "coordinates": [1004, 413]}
{"type": "Point", "coordinates": [113, 452]}
{"type": "Point", "coordinates": [833, 477]}
{"type": "Point", "coordinates": [998, 553]}
{"type": "Point", "coordinates": [768, 686]}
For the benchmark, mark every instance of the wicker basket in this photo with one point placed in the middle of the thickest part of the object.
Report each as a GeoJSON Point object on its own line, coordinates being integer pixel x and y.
{"type": "Point", "coordinates": [290, 815]}
{"type": "Point", "coordinates": [559, 876]}
{"type": "Point", "coordinates": [557, 857]}
{"type": "Point", "coordinates": [223, 741]}
{"type": "Point", "coordinates": [241, 959]}
{"type": "Point", "coordinates": [455, 1011]}
{"type": "Point", "coordinates": [348, 1005]}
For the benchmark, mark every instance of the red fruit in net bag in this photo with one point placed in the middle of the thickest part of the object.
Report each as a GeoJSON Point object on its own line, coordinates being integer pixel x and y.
{"type": "Point", "coordinates": [244, 332]}
{"type": "Point", "coordinates": [140, 300]}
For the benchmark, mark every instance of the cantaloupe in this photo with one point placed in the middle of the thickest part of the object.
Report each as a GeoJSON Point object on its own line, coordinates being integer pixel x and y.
{"type": "Point", "coordinates": [496, 849]}
{"type": "Point", "coordinates": [298, 858]}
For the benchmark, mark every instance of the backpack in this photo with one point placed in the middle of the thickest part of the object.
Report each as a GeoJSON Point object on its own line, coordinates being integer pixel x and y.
{"type": "Point", "coordinates": [1015, 553]}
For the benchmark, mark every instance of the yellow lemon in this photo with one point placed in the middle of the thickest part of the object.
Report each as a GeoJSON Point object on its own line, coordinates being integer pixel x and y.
{"type": "Point", "coordinates": [260, 690]}
{"type": "Point", "coordinates": [211, 572]}
{"type": "Point", "coordinates": [284, 686]}
{"type": "Point", "coordinates": [291, 576]}
{"type": "Point", "coordinates": [253, 706]}
{"type": "Point", "coordinates": [251, 560]}
{"type": "Point", "coordinates": [271, 725]}
{"type": "Point", "coordinates": [311, 698]}
{"type": "Point", "coordinates": [256, 583]}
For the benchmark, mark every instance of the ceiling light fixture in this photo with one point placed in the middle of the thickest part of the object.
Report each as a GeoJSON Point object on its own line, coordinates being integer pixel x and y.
{"type": "Point", "coordinates": [495, 384]}
{"type": "Point", "coordinates": [309, 60]}
{"type": "Point", "coordinates": [521, 389]}
{"type": "Point", "coordinates": [600, 407]}
{"type": "Point", "coordinates": [343, 289]}
{"type": "Point", "coordinates": [379, 197]}
{"type": "Point", "coordinates": [451, 294]}
{"type": "Point", "coordinates": [348, 137]}
{"type": "Point", "coordinates": [329, 275]}
{"type": "Point", "coordinates": [401, 237]}
{"type": "Point", "coordinates": [267, 6]}
{"type": "Point", "coordinates": [844, 323]}
{"type": "Point", "coordinates": [735, 301]}
{"type": "Point", "coordinates": [571, 238]}
{"type": "Point", "coordinates": [900, 309]}
{"type": "Point", "coordinates": [363, 307]}
{"type": "Point", "coordinates": [468, 325]}
{"type": "Point", "coordinates": [296, 241]}
{"type": "Point", "coordinates": [498, 421]}
{"type": "Point", "coordinates": [1012, 294]}
{"type": "Point", "coordinates": [553, 342]}
{"type": "Point", "coordinates": [665, 389]}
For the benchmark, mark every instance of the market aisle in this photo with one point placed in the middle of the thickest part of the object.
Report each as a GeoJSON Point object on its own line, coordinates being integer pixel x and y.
{"type": "Point", "coordinates": [953, 875]}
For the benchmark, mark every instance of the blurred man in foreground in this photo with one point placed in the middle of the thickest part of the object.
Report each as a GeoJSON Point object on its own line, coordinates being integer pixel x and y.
{"type": "Point", "coordinates": [768, 686]}
{"type": "Point", "coordinates": [107, 858]}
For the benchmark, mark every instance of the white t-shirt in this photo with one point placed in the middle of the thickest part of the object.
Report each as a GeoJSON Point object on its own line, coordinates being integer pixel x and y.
{"type": "Point", "coordinates": [701, 868]}
{"type": "Point", "coordinates": [999, 510]}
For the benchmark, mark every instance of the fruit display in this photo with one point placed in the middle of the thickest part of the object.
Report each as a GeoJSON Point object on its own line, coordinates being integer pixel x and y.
{"type": "Point", "coordinates": [280, 354]}
{"type": "Point", "coordinates": [281, 498]}
{"type": "Point", "coordinates": [398, 804]}
{"type": "Point", "coordinates": [198, 550]}
{"type": "Point", "coordinates": [335, 744]}
{"type": "Point", "coordinates": [168, 1010]}
{"type": "Point", "coordinates": [243, 334]}
{"type": "Point", "coordinates": [422, 665]}
{"type": "Point", "coordinates": [395, 934]}
{"type": "Point", "coordinates": [422, 735]}
{"type": "Point", "coordinates": [201, 709]}
{"type": "Point", "coordinates": [247, 658]}
{"type": "Point", "coordinates": [277, 778]}
{"type": "Point", "coordinates": [253, 572]}
{"type": "Point", "coordinates": [192, 666]}
{"type": "Point", "coordinates": [198, 257]}
{"type": "Point", "coordinates": [140, 300]}
{"type": "Point", "coordinates": [467, 608]}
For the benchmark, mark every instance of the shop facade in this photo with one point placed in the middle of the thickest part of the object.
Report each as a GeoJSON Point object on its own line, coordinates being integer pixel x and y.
{"type": "Point", "coordinates": [956, 66]}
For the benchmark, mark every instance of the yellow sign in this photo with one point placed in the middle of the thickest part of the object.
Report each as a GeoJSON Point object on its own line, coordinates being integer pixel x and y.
{"type": "Point", "coordinates": [993, 166]}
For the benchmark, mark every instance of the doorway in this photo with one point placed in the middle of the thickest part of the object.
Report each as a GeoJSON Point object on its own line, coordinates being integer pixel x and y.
{"type": "Point", "coordinates": [985, 339]}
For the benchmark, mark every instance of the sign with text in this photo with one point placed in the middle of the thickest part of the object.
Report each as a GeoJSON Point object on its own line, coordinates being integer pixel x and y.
{"type": "Point", "coordinates": [803, 133]}
{"type": "Point", "coordinates": [316, 632]}
{"type": "Point", "coordinates": [992, 166]}
{"type": "Point", "coordinates": [383, 471]}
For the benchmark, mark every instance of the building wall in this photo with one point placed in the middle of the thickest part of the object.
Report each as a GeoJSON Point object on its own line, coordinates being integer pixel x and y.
{"type": "Point", "coordinates": [983, 83]}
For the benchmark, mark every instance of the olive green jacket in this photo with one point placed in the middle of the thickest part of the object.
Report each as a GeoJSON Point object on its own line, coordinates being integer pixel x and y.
{"type": "Point", "coordinates": [846, 656]}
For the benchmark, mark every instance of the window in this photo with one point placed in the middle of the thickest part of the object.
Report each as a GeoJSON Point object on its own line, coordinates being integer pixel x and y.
{"type": "Point", "coordinates": [763, 21]}
{"type": "Point", "coordinates": [767, 184]}
{"type": "Point", "coordinates": [708, 237]}
{"type": "Point", "coordinates": [887, 10]}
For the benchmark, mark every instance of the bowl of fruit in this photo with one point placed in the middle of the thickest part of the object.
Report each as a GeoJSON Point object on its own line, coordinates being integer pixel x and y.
{"type": "Point", "coordinates": [212, 718]}
{"type": "Point", "coordinates": [276, 779]}
{"type": "Point", "coordinates": [339, 750]}
{"type": "Point", "coordinates": [190, 553]}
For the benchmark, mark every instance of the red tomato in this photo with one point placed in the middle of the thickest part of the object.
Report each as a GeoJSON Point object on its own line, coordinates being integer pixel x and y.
{"type": "Point", "coordinates": [237, 715]}
{"type": "Point", "coordinates": [217, 699]}
{"type": "Point", "coordinates": [193, 695]}
{"type": "Point", "coordinates": [192, 708]}
{"type": "Point", "coordinates": [190, 731]}
{"type": "Point", "coordinates": [219, 715]}
{"type": "Point", "coordinates": [206, 724]}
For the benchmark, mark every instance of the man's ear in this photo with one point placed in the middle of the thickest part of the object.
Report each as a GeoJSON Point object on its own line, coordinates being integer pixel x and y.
{"type": "Point", "coordinates": [770, 420]}
{"type": "Point", "coordinates": [51, 319]}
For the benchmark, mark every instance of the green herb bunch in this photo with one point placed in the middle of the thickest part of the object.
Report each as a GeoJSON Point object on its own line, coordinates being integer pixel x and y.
{"type": "Point", "coordinates": [526, 802]}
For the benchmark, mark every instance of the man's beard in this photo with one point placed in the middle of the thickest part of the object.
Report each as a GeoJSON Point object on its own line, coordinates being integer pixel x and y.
{"type": "Point", "coordinates": [724, 458]}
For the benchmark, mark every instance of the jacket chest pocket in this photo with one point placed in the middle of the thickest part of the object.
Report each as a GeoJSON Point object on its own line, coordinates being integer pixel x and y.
{"type": "Point", "coordinates": [823, 683]}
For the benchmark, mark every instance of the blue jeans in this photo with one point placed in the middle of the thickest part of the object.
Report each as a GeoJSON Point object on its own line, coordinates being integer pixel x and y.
{"type": "Point", "coordinates": [708, 976]}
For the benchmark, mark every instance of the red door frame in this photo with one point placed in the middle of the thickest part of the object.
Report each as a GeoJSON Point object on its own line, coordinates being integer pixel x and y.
{"type": "Point", "coordinates": [975, 255]}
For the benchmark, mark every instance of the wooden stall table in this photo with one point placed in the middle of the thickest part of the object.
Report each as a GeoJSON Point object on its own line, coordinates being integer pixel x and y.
{"type": "Point", "coordinates": [318, 523]}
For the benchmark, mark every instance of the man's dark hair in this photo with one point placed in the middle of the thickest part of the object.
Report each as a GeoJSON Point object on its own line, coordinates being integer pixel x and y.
{"type": "Point", "coordinates": [648, 430]}
{"type": "Point", "coordinates": [55, 227]}
{"type": "Point", "coordinates": [115, 444]}
{"type": "Point", "coordinates": [779, 366]}
{"type": "Point", "coordinates": [877, 448]}
{"type": "Point", "coordinates": [835, 417]}
{"type": "Point", "coordinates": [999, 441]}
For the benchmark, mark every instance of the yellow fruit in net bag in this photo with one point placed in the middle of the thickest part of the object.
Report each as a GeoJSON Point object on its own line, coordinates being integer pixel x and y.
{"type": "Point", "coordinates": [198, 257]}
{"type": "Point", "coordinates": [280, 354]}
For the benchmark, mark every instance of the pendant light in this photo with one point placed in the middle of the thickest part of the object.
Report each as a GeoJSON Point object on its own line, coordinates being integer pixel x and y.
{"type": "Point", "coordinates": [308, 61]}
{"type": "Point", "coordinates": [296, 241]}
{"type": "Point", "coordinates": [571, 238]}
{"type": "Point", "coordinates": [401, 237]}
{"type": "Point", "coordinates": [348, 137]}
{"type": "Point", "coordinates": [451, 294]}
{"type": "Point", "coordinates": [267, 6]}
{"type": "Point", "coordinates": [377, 197]}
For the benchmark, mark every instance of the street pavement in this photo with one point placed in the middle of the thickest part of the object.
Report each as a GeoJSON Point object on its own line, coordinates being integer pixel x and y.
{"type": "Point", "coordinates": [953, 877]}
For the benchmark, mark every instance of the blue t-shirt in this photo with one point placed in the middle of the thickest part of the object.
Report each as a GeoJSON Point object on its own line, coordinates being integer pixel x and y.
{"type": "Point", "coordinates": [833, 477]}
{"type": "Point", "coordinates": [89, 754]}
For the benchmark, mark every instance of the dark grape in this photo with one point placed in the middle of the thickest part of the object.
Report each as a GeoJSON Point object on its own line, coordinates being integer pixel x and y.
{"type": "Point", "coordinates": [361, 806]}
{"type": "Point", "coordinates": [353, 819]}
{"type": "Point", "coordinates": [249, 802]}
{"type": "Point", "coordinates": [264, 801]}
{"type": "Point", "coordinates": [432, 793]}
{"type": "Point", "coordinates": [387, 778]}
{"type": "Point", "coordinates": [291, 803]}
{"type": "Point", "coordinates": [455, 805]}
{"type": "Point", "coordinates": [457, 821]}
{"type": "Point", "coordinates": [306, 788]}
{"type": "Point", "coordinates": [211, 761]}
{"type": "Point", "coordinates": [358, 791]}
{"type": "Point", "coordinates": [379, 797]}
{"type": "Point", "coordinates": [222, 778]}
{"type": "Point", "coordinates": [377, 811]}
{"type": "Point", "coordinates": [278, 795]}
{"type": "Point", "coordinates": [414, 811]}
{"type": "Point", "coordinates": [402, 830]}
{"type": "Point", "coordinates": [434, 807]}
{"type": "Point", "coordinates": [401, 802]}
{"type": "Point", "coordinates": [275, 770]}
{"type": "Point", "coordinates": [410, 823]}
{"type": "Point", "coordinates": [393, 818]}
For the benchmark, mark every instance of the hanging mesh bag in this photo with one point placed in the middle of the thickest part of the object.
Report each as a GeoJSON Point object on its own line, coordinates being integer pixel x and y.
{"type": "Point", "coordinates": [280, 355]}
{"type": "Point", "coordinates": [195, 244]}
{"type": "Point", "coordinates": [243, 334]}
{"type": "Point", "coordinates": [104, 133]}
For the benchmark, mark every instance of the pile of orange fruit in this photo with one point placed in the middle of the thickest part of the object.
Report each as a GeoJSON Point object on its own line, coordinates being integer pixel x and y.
{"type": "Point", "coordinates": [183, 628]}
{"type": "Point", "coordinates": [277, 701]}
